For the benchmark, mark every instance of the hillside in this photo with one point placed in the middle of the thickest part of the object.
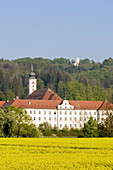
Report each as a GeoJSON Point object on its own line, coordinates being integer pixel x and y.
{"type": "Point", "coordinates": [88, 81]}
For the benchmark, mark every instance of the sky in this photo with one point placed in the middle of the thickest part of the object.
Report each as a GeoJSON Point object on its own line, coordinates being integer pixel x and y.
{"type": "Point", "coordinates": [56, 28]}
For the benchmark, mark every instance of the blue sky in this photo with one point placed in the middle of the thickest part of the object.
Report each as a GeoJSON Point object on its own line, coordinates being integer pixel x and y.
{"type": "Point", "coordinates": [56, 28]}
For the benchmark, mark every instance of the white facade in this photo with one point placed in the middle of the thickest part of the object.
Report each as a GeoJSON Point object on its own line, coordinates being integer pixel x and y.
{"type": "Point", "coordinates": [44, 115]}
{"type": "Point", "coordinates": [63, 116]}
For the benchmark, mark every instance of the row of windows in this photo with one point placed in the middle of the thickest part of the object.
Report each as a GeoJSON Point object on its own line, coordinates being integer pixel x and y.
{"type": "Point", "coordinates": [66, 112]}
{"type": "Point", "coordinates": [69, 107]}
{"type": "Point", "coordinates": [40, 112]}
{"type": "Point", "coordinates": [70, 125]}
{"type": "Point", "coordinates": [44, 118]}
{"type": "Point", "coordinates": [81, 119]}
{"type": "Point", "coordinates": [60, 119]}
{"type": "Point", "coordinates": [80, 113]}
{"type": "Point", "coordinates": [67, 125]}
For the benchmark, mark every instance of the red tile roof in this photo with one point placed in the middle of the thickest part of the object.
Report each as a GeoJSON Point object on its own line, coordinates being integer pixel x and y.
{"type": "Point", "coordinates": [106, 105]}
{"type": "Point", "coordinates": [86, 105]}
{"type": "Point", "coordinates": [52, 104]}
{"type": "Point", "coordinates": [36, 104]}
{"type": "Point", "coordinates": [1, 103]}
{"type": "Point", "coordinates": [44, 94]}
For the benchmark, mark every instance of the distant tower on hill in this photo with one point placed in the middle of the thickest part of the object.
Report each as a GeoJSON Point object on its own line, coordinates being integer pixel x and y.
{"type": "Point", "coordinates": [32, 81]}
{"type": "Point", "coordinates": [77, 62]}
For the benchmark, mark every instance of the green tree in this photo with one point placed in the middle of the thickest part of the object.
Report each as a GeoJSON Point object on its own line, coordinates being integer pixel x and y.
{"type": "Point", "coordinates": [40, 83]}
{"type": "Point", "coordinates": [61, 89]}
{"type": "Point", "coordinates": [9, 95]}
{"type": "Point", "coordinates": [2, 119]}
{"type": "Point", "coordinates": [14, 118]}
{"type": "Point", "coordinates": [29, 130]}
{"type": "Point", "coordinates": [106, 127]}
{"type": "Point", "coordinates": [75, 90]}
{"type": "Point", "coordinates": [2, 96]}
{"type": "Point", "coordinates": [46, 129]}
{"type": "Point", "coordinates": [89, 93]}
{"type": "Point", "coordinates": [98, 93]}
{"type": "Point", "coordinates": [90, 128]}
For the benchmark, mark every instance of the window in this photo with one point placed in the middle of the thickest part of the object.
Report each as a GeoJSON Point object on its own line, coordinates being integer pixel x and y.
{"type": "Point", "coordinates": [89, 113]}
{"type": "Point", "coordinates": [80, 125]}
{"type": "Point", "coordinates": [85, 119]}
{"type": "Point", "coordinates": [34, 112]}
{"type": "Point", "coordinates": [60, 112]}
{"type": "Point", "coordinates": [65, 118]}
{"type": "Point", "coordinates": [80, 113]}
{"type": "Point", "coordinates": [70, 125]}
{"type": "Point", "coordinates": [70, 112]}
{"type": "Point", "coordinates": [49, 112]}
{"type": "Point", "coordinates": [60, 118]}
{"type": "Point", "coordinates": [34, 118]}
{"type": "Point", "coordinates": [54, 118]}
{"type": "Point", "coordinates": [44, 112]}
{"type": "Point", "coordinates": [54, 113]}
{"type": "Point", "coordinates": [75, 125]}
{"type": "Point", "coordinates": [95, 113]}
{"type": "Point", "coordinates": [39, 118]}
{"type": "Point", "coordinates": [60, 125]}
{"type": "Point", "coordinates": [80, 118]}
{"type": "Point", "coordinates": [30, 111]}
{"type": "Point", "coordinates": [65, 125]}
{"type": "Point", "coordinates": [75, 118]}
{"type": "Point", "coordinates": [54, 125]}
{"type": "Point", "coordinates": [39, 112]}
{"type": "Point", "coordinates": [49, 118]}
{"type": "Point", "coordinates": [70, 118]}
{"type": "Point", "coordinates": [75, 113]}
{"type": "Point", "coordinates": [85, 113]}
{"type": "Point", "coordinates": [44, 118]}
{"type": "Point", "coordinates": [65, 112]}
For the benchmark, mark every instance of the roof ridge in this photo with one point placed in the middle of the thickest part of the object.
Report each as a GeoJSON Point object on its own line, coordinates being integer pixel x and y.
{"type": "Point", "coordinates": [102, 104]}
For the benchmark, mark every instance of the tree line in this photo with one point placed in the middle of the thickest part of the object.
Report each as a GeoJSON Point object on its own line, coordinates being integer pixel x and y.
{"type": "Point", "coordinates": [88, 81]}
{"type": "Point", "coordinates": [15, 122]}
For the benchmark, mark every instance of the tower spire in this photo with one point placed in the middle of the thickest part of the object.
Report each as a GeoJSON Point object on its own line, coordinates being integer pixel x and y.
{"type": "Point", "coordinates": [31, 67]}
{"type": "Point", "coordinates": [32, 81]}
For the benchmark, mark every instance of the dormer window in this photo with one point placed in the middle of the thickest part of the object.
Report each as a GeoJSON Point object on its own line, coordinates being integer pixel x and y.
{"type": "Point", "coordinates": [29, 103]}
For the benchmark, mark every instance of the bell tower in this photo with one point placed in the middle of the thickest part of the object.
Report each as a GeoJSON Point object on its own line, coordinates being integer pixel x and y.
{"type": "Point", "coordinates": [32, 81]}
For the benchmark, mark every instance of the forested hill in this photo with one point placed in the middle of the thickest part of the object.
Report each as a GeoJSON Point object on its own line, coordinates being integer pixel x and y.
{"type": "Point", "coordinates": [88, 81]}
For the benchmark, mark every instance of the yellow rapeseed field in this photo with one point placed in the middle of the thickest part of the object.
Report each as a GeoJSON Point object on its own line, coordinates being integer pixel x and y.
{"type": "Point", "coordinates": [56, 153]}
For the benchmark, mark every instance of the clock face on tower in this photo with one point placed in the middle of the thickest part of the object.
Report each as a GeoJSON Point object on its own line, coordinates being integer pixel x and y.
{"type": "Point", "coordinates": [33, 82]}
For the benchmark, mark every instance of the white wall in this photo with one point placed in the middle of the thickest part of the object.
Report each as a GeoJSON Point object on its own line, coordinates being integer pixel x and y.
{"type": "Point", "coordinates": [62, 117]}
